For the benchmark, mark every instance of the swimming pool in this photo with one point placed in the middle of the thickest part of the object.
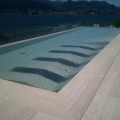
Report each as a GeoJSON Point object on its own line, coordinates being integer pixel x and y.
{"type": "Point", "coordinates": [50, 62]}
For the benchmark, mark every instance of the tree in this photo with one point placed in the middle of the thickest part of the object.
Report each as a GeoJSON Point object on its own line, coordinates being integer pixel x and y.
{"type": "Point", "coordinates": [116, 24]}
{"type": "Point", "coordinates": [3, 38]}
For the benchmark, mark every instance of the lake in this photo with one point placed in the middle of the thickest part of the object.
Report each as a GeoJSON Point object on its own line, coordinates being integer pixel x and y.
{"type": "Point", "coordinates": [10, 22]}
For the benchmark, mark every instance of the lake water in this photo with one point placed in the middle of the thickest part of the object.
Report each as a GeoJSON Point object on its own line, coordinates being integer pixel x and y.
{"type": "Point", "coordinates": [10, 22]}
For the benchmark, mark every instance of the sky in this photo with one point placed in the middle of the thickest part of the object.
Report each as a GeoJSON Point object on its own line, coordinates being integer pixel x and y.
{"type": "Point", "coordinates": [115, 2]}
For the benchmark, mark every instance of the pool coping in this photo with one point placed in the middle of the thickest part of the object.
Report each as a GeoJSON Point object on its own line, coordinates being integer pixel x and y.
{"type": "Point", "coordinates": [72, 101]}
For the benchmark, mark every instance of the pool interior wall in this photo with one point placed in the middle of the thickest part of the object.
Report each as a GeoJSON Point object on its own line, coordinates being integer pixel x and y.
{"type": "Point", "coordinates": [51, 62]}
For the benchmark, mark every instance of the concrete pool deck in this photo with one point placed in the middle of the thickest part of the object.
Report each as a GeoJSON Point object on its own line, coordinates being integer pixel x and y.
{"type": "Point", "coordinates": [93, 94]}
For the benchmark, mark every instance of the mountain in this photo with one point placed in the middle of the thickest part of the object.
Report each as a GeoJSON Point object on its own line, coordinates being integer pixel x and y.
{"type": "Point", "coordinates": [23, 6]}
{"type": "Point", "coordinates": [97, 7]}
{"type": "Point", "coordinates": [85, 4]}
{"type": "Point", "coordinates": [48, 2]}
{"type": "Point", "coordinates": [54, 4]}
{"type": "Point", "coordinates": [59, 2]}
{"type": "Point", "coordinates": [57, 7]}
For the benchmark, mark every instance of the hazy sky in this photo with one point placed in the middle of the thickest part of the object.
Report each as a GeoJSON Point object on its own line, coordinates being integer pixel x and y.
{"type": "Point", "coordinates": [116, 2]}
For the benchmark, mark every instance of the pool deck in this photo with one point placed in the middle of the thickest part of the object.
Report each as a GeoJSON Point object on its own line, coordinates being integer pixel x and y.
{"type": "Point", "coordinates": [93, 94]}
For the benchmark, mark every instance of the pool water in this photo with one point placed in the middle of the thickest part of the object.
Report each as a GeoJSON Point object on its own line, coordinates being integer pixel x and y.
{"type": "Point", "coordinates": [50, 64]}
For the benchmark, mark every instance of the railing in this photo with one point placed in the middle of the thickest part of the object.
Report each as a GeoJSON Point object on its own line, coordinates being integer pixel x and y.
{"type": "Point", "coordinates": [22, 35]}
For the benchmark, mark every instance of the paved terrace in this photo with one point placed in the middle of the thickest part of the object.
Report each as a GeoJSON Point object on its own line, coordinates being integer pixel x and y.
{"type": "Point", "coordinates": [93, 94]}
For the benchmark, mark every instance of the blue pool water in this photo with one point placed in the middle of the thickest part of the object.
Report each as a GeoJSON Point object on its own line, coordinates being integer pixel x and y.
{"type": "Point", "coordinates": [50, 62]}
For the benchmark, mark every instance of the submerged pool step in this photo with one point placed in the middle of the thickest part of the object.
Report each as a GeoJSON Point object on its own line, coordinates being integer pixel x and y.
{"type": "Point", "coordinates": [43, 72]}
{"type": "Point", "coordinates": [59, 60]}
{"type": "Point", "coordinates": [73, 53]}
{"type": "Point", "coordinates": [80, 46]}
